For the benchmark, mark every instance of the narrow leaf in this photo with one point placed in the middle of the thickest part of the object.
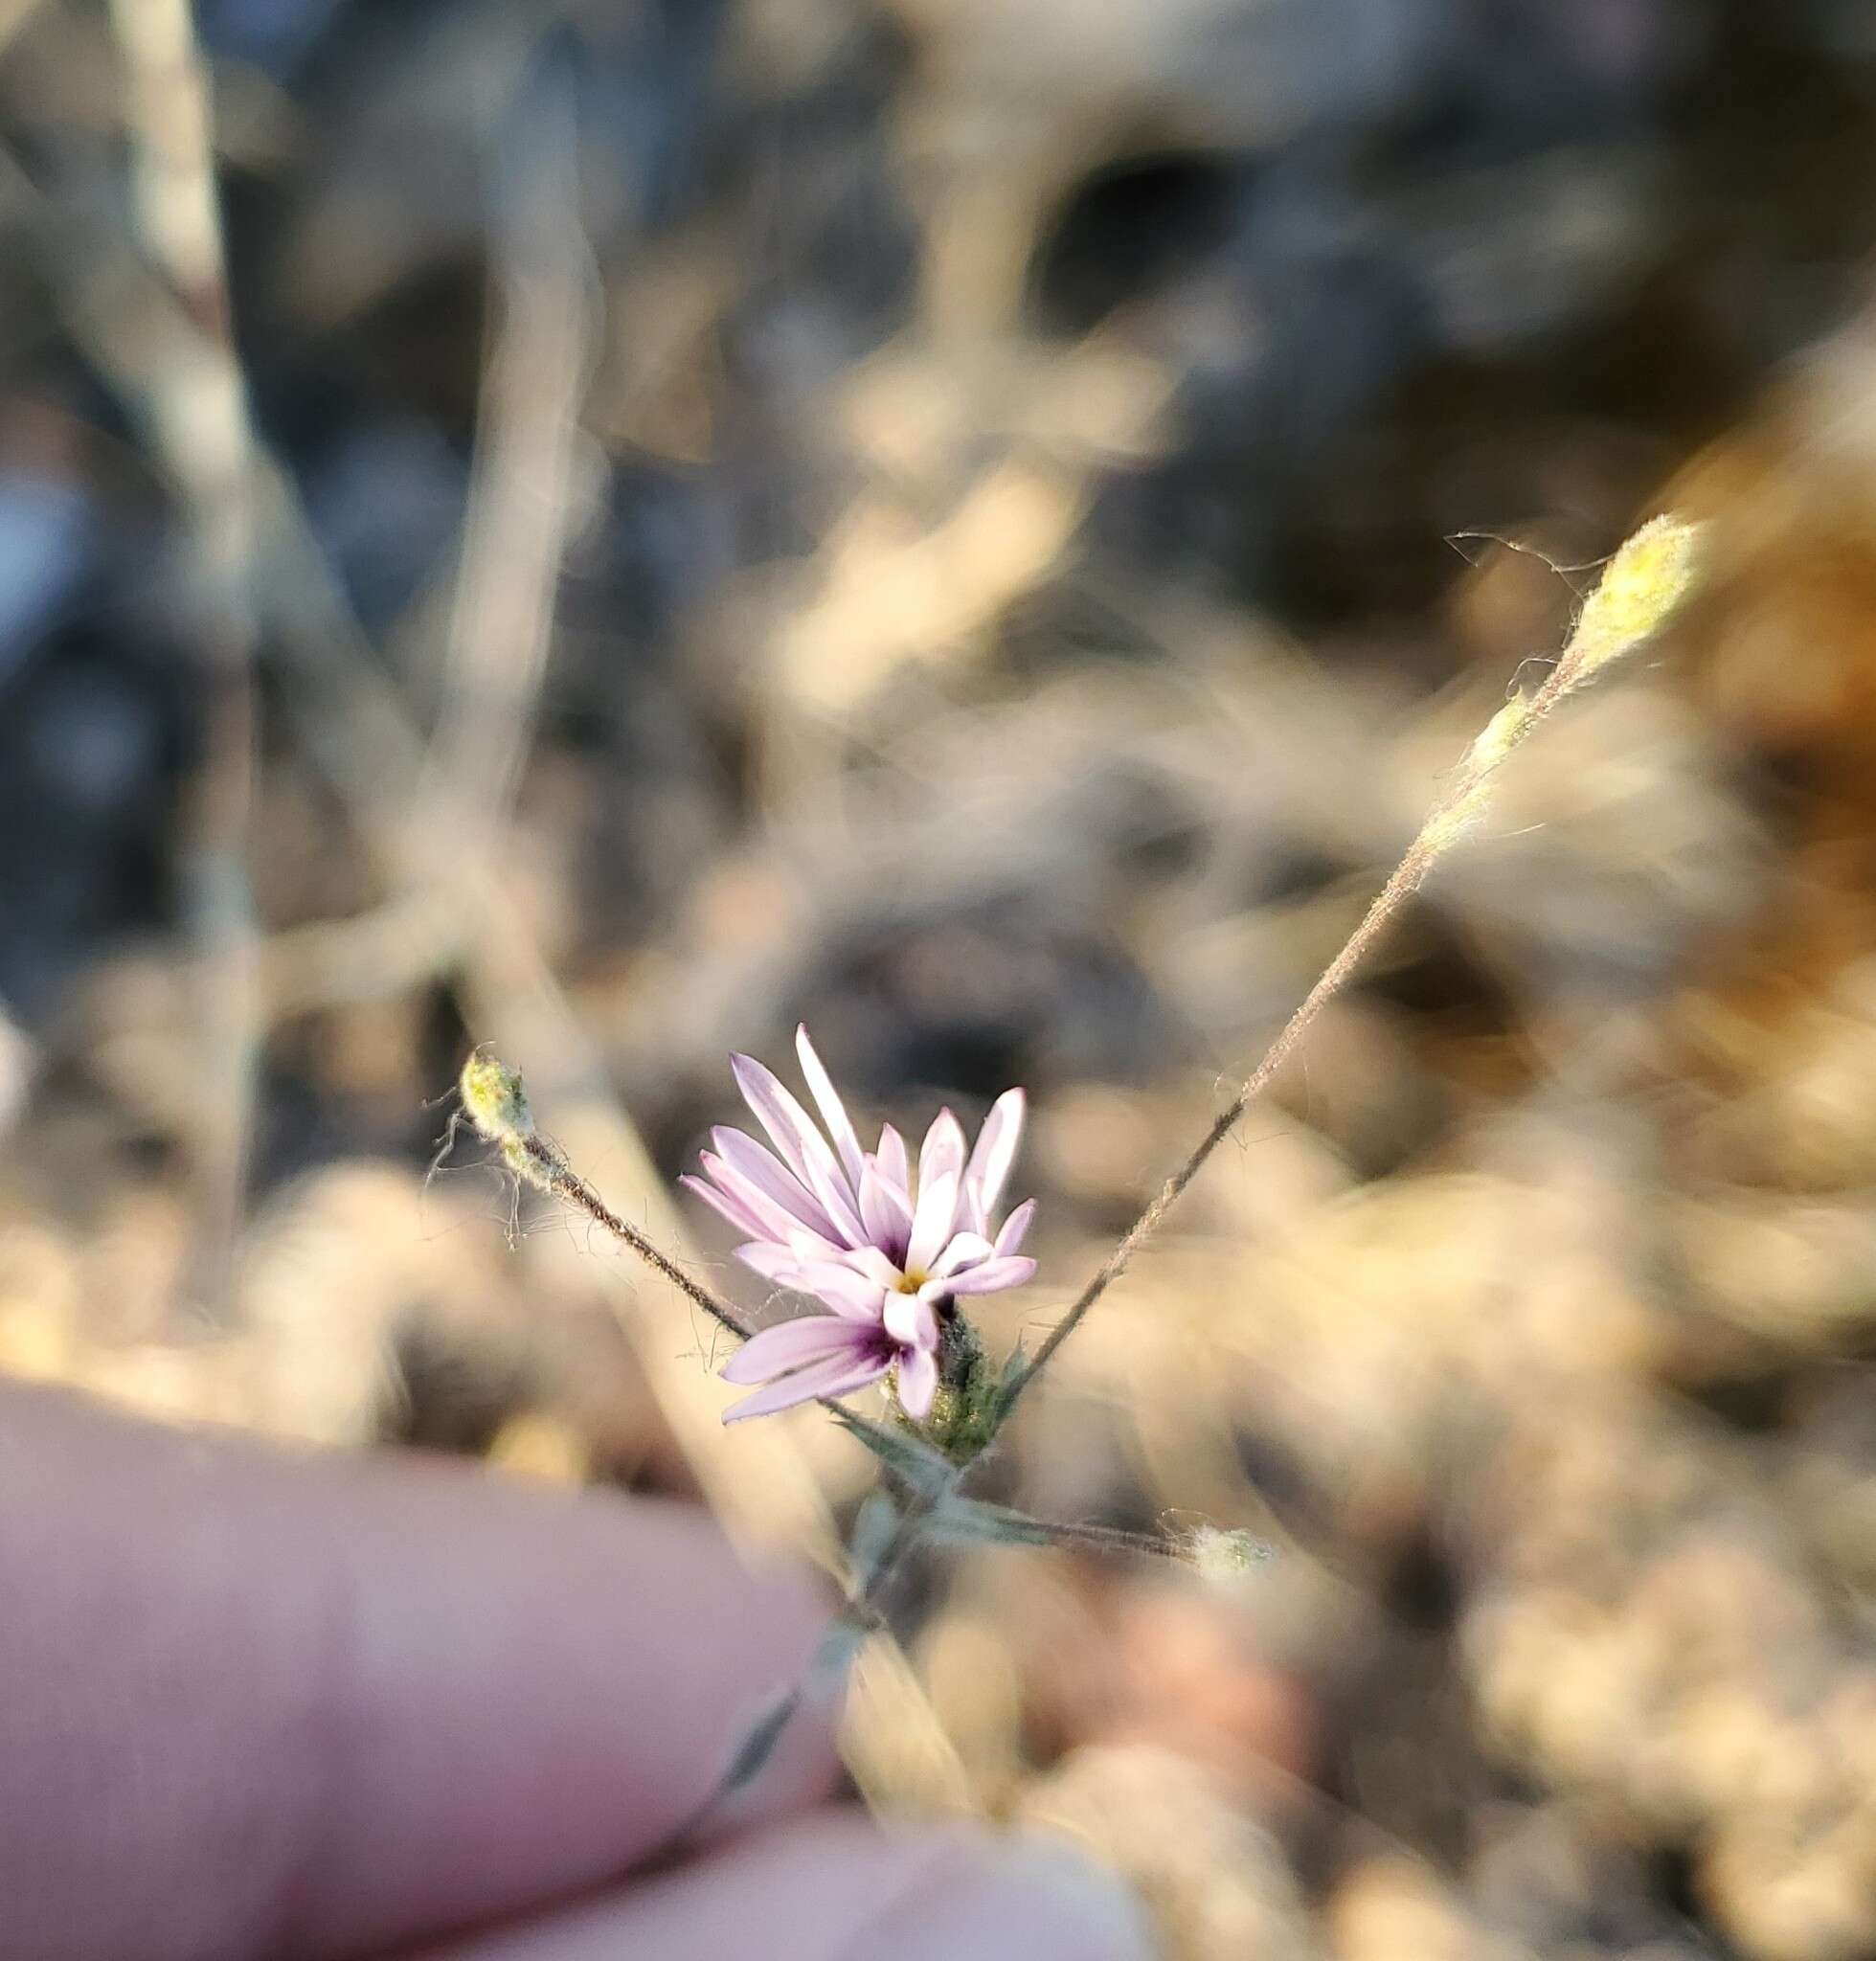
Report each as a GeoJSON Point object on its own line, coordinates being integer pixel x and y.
{"type": "Point", "coordinates": [873, 1532]}
{"type": "Point", "coordinates": [826, 1678]}
{"type": "Point", "coordinates": [1010, 1379]}
{"type": "Point", "coordinates": [970, 1520]}
{"type": "Point", "coordinates": [758, 1742]}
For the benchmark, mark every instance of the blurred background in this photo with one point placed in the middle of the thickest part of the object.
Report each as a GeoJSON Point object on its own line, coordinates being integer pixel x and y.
{"type": "Point", "coordinates": [616, 526]}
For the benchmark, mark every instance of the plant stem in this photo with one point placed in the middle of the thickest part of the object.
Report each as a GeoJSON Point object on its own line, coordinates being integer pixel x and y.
{"type": "Point", "coordinates": [553, 1173]}
{"type": "Point", "coordinates": [1401, 883]}
{"type": "Point", "coordinates": [1642, 584]}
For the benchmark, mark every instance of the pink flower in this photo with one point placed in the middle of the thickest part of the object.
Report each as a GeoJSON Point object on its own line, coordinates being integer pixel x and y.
{"type": "Point", "coordinates": [885, 1252]}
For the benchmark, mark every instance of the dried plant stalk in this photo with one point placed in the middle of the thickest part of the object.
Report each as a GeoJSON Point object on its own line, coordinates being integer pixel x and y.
{"type": "Point", "coordinates": [194, 399]}
{"type": "Point", "coordinates": [1643, 584]}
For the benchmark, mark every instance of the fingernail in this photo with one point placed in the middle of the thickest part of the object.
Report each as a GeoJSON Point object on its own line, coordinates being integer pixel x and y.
{"type": "Point", "coordinates": [1029, 1900]}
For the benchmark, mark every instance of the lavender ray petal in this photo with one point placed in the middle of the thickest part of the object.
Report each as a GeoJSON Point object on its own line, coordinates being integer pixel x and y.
{"type": "Point", "coordinates": [965, 1248]}
{"type": "Point", "coordinates": [944, 1150]}
{"type": "Point", "coordinates": [917, 1383]}
{"type": "Point", "coordinates": [761, 1214]}
{"type": "Point", "coordinates": [775, 1110]}
{"type": "Point", "coordinates": [912, 1320]}
{"type": "Point", "coordinates": [731, 1207]}
{"type": "Point", "coordinates": [848, 1292]}
{"type": "Point", "coordinates": [776, 1264]}
{"type": "Point", "coordinates": [765, 1171]}
{"type": "Point", "coordinates": [788, 1345]}
{"type": "Point", "coordinates": [885, 1212]}
{"type": "Point", "coordinates": [893, 1165]}
{"type": "Point", "coordinates": [992, 1276]}
{"type": "Point", "coordinates": [802, 1147]}
{"type": "Point", "coordinates": [993, 1155]}
{"type": "Point", "coordinates": [1016, 1228]}
{"type": "Point", "coordinates": [870, 1261]}
{"type": "Point", "coordinates": [826, 1100]}
{"type": "Point", "coordinates": [931, 1223]}
{"type": "Point", "coordinates": [817, 1379]}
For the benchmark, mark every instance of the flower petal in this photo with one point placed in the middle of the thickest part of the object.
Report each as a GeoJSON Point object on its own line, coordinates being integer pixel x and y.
{"type": "Point", "coordinates": [802, 1147]}
{"type": "Point", "coordinates": [965, 1250]}
{"type": "Point", "coordinates": [912, 1320]}
{"type": "Point", "coordinates": [992, 1157]}
{"type": "Point", "coordinates": [992, 1276]}
{"type": "Point", "coordinates": [891, 1159]}
{"type": "Point", "coordinates": [770, 1176]}
{"type": "Point", "coordinates": [848, 1292]}
{"type": "Point", "coordinates": [819, 1378]}
{"type": "Point", "coordinates": [732, 1208]}
{"type": "Point", "coordinates": [788, 1345]}
{"type": "Point", "coordinates": [1016, 1228]}
{"type": "Point", "coordinates": [932, 1222]}
{"type": "Point", "coordinates": [776, 1264]}
{"type": "Point", "coordinates": [917, 1383]}
{"type": "Point", "coordinates": [757, 1212]}
{"type": "Point", "coordinates": [833, 1111]}
{"type": "Point", "coordinates": [884, 1212]}
{"type": "Point", "coordinates": [777, 1111]}
{"type": "Point", "coordinates": [873, 1264]}
{"type": "Point", "coordinates": [944, 1150]}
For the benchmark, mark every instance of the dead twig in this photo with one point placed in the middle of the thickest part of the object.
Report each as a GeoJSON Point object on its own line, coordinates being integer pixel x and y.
{"type": "Point", "coordinates": [193, 398]}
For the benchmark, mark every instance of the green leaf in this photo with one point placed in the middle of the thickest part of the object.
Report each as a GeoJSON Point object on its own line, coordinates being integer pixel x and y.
{"type": "Point", "coordinates": [913, 1463]}
{"type": "Point", "coordinates": [969, 1520]}
{"type": "Point", "coordinates": [758, 1742]}
{"type": "Point", "coordinates": [1010, 1379]}
{"type": "Point", "coordinates": [873, 1526]}
{"type": "Point", "coordinates": [825, 1678]}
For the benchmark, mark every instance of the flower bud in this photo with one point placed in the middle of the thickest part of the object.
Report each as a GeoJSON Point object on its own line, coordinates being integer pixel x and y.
{"type": "Point", "coordinates": [1643, 583]}
{"type": "Point", "coordinates": [1220, 1557]}
{"type": "Point", "coordinates": [493, 1098]}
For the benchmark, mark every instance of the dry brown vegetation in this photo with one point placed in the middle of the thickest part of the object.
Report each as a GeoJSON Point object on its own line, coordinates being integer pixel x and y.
{"type": "Point", "coordinates": [944, 521]}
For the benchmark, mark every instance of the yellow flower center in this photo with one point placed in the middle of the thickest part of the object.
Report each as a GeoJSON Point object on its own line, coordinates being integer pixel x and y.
{"type": "Point", "coordinates": [911, 1280]}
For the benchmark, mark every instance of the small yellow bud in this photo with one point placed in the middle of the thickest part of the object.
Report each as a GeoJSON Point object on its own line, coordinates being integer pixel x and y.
{"type": "Point", "coordinates": [1498, 738]}
{"type": "Point", "coordinates": [494, 1100]}
{"type": "Point", "coordinates": [1220, 1557]}
{"type": "Point", "coordinates": [1644, 582]}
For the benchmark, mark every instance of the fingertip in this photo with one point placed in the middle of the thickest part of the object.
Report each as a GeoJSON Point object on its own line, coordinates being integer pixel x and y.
{"type": "Point", "coordinates": [837, 1888]}
{"type": "Point", "coordinates": [1022, 1900]}
{"type": "Point", "coordinates": [357, 1699]}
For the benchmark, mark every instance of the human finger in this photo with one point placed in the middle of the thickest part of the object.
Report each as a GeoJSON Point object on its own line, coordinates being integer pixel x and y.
{"type": "Point", "coordinates": [309, 1707]}
{"type": "Point", "coordinates": [835, 1888]}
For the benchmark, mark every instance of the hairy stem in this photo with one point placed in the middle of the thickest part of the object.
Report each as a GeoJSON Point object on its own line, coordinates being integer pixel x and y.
{"type": "Point", "coordinates": [553, 1174]}
{"type": "Point", "coordinates": [1401, 883]}
{"type": "Point", "coordinates": [1644, 582]}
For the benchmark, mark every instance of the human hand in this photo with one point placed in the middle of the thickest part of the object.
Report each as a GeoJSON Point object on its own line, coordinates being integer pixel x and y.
{"type": "Point", "coordinates": [260, 1707]}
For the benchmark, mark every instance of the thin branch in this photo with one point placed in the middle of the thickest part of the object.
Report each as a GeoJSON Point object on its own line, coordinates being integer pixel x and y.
{"type": "Point", "coordinates": [194, 399]}
{"type": "Point", "coordinates": [1644, 582]}
{"type": "Point", "coordinates": [1402, 882]}
{"type": "Point", "coordinates": [525, 496]}
{"type": "Point", "coordinates": [556, 1176]}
